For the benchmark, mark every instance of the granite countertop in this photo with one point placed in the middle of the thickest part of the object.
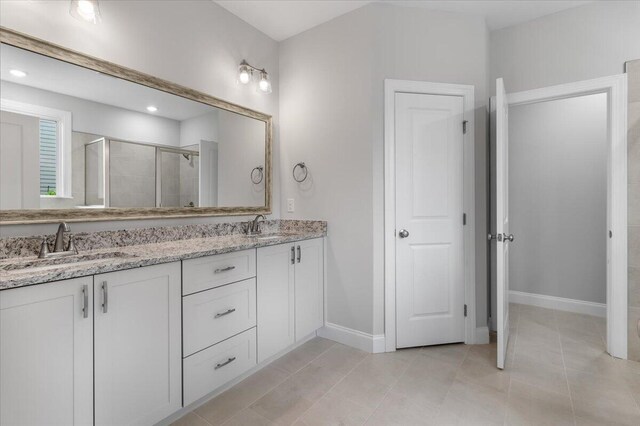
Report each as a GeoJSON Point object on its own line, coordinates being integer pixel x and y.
{"type": "Point", "coordinates": [135, 256]}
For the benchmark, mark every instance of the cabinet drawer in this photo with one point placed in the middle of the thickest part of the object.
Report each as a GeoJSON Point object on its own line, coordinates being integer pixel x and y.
{"type": "Point", "coordinates": [213, 271]}
{"type": "Point", "coordinates": [211, 368]}
{"type": "Point", "coordinates": [217, 314]}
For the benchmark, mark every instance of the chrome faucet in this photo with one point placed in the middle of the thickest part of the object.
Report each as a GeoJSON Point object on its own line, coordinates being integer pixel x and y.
{"type": "Point", "coordinates": [58, 245]}
{"type": "Point", "coordinates": [254, 225]}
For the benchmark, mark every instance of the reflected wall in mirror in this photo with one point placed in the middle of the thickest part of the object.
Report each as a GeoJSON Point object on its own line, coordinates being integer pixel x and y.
{"type": "Point", "coordinates": [75, 138]}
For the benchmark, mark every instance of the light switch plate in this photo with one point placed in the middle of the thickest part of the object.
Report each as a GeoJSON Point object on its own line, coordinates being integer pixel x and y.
{"type": "Point", "coordinates": [291, 205]}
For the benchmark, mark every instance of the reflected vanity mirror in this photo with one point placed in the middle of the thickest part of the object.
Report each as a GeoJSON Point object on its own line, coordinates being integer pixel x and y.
{"type": "Point", "coordinates": [84, 139]}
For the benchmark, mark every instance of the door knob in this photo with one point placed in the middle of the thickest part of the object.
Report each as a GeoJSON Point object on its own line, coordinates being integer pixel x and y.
{"type": "Point", "coordinates": [508, 237]}
{"type": "Point", "coordinates": [403, 233]}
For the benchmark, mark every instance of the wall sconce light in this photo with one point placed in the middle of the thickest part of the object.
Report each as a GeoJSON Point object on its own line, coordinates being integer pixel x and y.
{"type": "Point", "coordinates": [245, 75]}
{"type": "Point", "coordinates": [85, 10]}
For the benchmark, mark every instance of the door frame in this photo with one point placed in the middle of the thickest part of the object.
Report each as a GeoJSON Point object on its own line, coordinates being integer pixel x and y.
{"type": "Point", "coordinates": [391, 87]}
{"type": "Point", "coordinates": [615, 87]}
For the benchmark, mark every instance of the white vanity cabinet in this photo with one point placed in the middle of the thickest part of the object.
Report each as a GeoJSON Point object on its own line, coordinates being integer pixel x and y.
{"type": "Point", "coordinates": [218, 320]}
{"type": "Point", "coordinates": [290, 294]}
{"type": "Point", "coordinates": [46, 354]}
{"type": "Point", "coordinates": [132, 347]}
{"type": "Point", "coordinates": [276, 302]}
{"type": "Point", "coordinates": [138, 379]}
{"type": "Point", "coordinates": [309, 287]}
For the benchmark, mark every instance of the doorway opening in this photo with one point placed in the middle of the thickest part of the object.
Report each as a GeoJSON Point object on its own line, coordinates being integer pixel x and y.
{"type": "Point", "coordinates": [560, 249]}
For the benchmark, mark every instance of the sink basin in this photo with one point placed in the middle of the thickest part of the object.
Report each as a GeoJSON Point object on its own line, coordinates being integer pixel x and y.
{"type": "Point", "coordinates": [267, 236]}
{"type": "Point", "coordinates": [56, 262]}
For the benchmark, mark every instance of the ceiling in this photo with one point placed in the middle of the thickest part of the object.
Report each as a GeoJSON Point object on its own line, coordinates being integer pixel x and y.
{"type": "Point", "coordinates": [61, 77]}
{"type": "Point", "coordinates": [281, 19]}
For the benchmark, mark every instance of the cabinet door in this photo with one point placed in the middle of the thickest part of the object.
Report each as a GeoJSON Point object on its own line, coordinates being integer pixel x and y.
{"type": "Point", "coordinates": [275, 294]}
{"type": "Point", "coordinates": [137, 345]}
{"type": "Point", "coordinates": [46, 354]}
{"type": "Point", "coordinates": [309, 278]}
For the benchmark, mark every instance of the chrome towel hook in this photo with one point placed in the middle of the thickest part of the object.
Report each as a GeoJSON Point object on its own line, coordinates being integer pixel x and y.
{"type": "Point", "coordinates": [302, 167]}
{"type": "Point", "coordinates": [257, 174]}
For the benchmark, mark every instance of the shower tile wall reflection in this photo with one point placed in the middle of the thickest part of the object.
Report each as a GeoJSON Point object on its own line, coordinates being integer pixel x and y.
{"type": "Point", "coordinates": [170, 178]}
{"type": "Point", "coordinates": [132, 175]}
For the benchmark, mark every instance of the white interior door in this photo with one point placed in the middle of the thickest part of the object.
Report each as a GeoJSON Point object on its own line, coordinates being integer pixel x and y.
{"type": "Point", "coordinates": [502, 219]}
{"type": "Point", "coordinates": [429, 219]}
{"type": "Point", "coordinates": [19, 161]}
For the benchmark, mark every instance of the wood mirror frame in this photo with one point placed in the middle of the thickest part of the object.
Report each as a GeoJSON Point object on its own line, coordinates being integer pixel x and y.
{"type": "Point", "coordinates": [26, 216]}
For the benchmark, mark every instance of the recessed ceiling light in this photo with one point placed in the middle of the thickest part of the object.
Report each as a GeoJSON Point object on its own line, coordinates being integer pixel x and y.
{"type": "Point", "coordinates": [151, 108]}
{"type": "Point", "coordinates": [18, 73]}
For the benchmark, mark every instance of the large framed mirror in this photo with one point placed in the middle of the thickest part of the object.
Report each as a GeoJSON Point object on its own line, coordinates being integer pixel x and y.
{"type": "Point", "coordinates": [84, 139]}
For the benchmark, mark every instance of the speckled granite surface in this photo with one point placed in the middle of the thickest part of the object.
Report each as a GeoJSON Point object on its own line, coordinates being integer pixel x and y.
{"type": "Point", "coordinates": [117, 250]}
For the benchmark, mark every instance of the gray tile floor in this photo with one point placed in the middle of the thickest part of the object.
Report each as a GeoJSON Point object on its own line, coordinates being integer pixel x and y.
{"type": "Point", "coordinates": [557, 373]}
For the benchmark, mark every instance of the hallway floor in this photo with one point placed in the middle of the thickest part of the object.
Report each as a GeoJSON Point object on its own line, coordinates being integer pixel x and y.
{"type": "Point", "coordinates": [557, 374]}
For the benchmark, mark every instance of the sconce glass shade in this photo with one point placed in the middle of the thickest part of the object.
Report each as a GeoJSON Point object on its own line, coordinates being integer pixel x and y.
{"type": "Point", "coordinates": [85, 10]}
{"type": "Point", "coordinates": [264, 85]}
{"type": "Point", "coordinates": [244, 74]}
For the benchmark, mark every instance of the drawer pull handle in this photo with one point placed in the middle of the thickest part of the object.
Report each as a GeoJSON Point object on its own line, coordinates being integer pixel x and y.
{"type": "Point", "coordinates": [221, 314]}
{"type": "Point", "coordinates": [228, 268]}
{"type": "Point", "coordinates": [105, 297]}
{"type": "Point", "coordinates": [227, 362]}
{"type": "Point", "coordinates": [85, 301]}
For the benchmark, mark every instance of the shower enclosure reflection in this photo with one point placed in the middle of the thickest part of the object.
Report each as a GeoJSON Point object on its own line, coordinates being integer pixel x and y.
{"type": "Point", "coordinates": [130, 174]}
{"type": "Point", "coordinates": [178, 172]}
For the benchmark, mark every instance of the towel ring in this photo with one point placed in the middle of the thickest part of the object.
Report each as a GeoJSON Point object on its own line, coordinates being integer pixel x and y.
{"type": "Point", "coordinates": [303, 167]}
{"type": "Point", "coordinates": [256, 178]}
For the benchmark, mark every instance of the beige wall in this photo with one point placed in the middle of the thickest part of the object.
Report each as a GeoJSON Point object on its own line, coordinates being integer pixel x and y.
{"type": "Point", "coordinates": [633, 140]}
{"type": "Point", "coordinates": [558, 198]}
{"type": "Point", "coordinates": [331, 103]}
{"type": "Point", "coordinates": [594, 40]}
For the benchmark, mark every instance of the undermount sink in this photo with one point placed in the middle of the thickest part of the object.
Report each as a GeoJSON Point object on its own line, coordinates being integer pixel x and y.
{"type": "Point", "coordinates": [52, 263]}
{"type": "Point", "coordinates": [267, 236]}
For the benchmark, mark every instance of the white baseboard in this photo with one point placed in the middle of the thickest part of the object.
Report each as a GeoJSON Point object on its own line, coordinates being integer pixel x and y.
{"type": "Point", "coordinates": [482, 335]}
{"type": "Point", "coordinates": [354, 338]}
{"type": "Point", "coordinates": [559, 303]}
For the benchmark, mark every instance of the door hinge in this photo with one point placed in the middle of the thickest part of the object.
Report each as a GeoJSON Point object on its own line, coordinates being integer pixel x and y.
{"type": "Point", "coordinates": [464, 127]}
{"type": "Point", "coordinates": [464, 219]}
{"type": "Point", "coordinates": [465, 310]}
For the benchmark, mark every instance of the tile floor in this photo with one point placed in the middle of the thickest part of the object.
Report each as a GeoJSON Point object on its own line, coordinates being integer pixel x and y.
{"type": "Point", "coordinates": [557, 373]}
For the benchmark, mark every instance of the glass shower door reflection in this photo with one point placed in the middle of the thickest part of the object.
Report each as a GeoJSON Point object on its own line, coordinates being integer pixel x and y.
{"type": "Point", "coordinates": [178, 172]}
{"type": "Point", "coordinates": [94, 188]}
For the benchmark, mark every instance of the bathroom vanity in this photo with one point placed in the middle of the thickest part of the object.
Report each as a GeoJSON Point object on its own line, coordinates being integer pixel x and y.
{"type": "Point", "coordinates": [130, 334]}
{"type": "Point", "coordinates": [140, 322]}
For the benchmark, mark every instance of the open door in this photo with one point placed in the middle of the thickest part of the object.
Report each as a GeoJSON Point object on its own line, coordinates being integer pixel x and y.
{"type": "Point", "coordinates": [503, 236]}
